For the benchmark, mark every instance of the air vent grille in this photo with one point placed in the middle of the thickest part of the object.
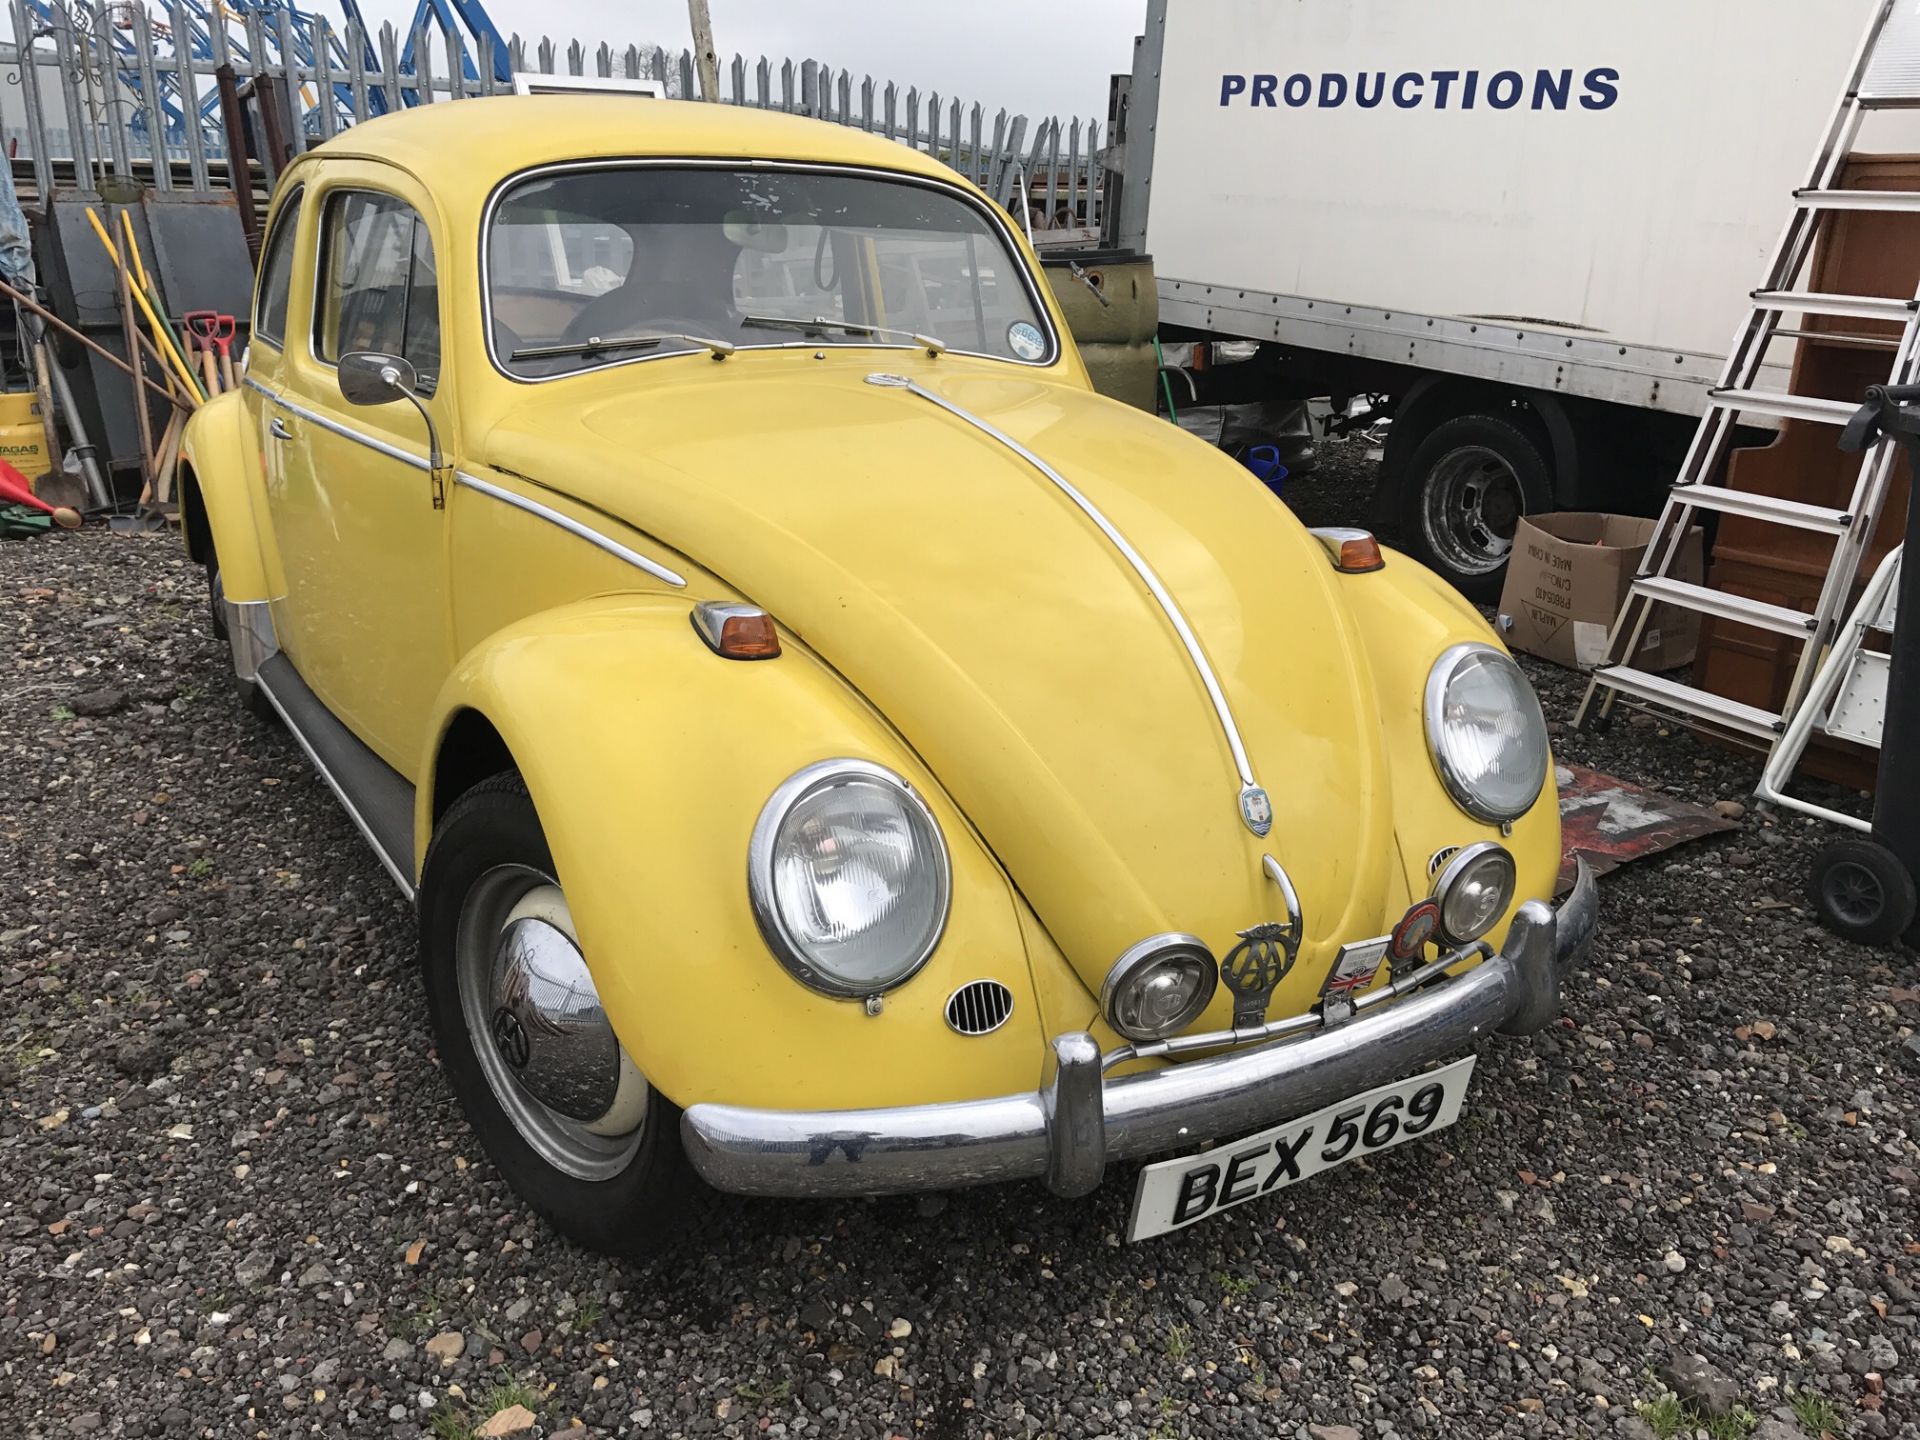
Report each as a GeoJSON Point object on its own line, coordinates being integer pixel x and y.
{"type": "Point", "coordinates": [979, 1007]}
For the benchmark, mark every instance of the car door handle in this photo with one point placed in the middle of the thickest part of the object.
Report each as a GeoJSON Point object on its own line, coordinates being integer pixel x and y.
{"type": "Point", "coordinates": [277, 428]}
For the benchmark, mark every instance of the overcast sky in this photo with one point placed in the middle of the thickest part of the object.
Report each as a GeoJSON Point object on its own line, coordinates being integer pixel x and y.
{"type": "Point", "coordinates": [1040, 57]}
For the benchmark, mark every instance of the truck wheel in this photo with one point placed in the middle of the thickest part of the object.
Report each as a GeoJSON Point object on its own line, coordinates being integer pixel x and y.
{"type": "Point", "coordinates": [1468, 483]}
{"type": "Point", "coordinates": [546, 1085]}
{"type": "Point", "coordinates": [1862, 892]}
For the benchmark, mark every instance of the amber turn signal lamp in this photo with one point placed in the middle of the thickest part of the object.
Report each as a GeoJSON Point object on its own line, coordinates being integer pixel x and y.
{"type": "Point", "coordinates": [738, 632]}
{"type": "Point", "coordinates": [1354, 552]}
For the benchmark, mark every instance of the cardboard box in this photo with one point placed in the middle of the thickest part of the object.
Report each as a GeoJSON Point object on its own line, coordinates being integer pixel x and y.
{"type": "Point", "coordinates": [1567, 579]}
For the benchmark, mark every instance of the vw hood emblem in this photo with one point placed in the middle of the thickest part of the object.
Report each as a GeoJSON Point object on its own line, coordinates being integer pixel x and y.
{"type": "Point", "coordinates": [1256, 809]}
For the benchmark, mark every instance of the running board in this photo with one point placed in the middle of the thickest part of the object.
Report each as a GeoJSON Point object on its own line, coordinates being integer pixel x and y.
{"type": "Point", "coordinates": [376, 797]}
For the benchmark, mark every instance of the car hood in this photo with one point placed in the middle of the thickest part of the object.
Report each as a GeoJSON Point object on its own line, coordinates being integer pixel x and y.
{"type": "Point", "coordinates": [1005, 636]}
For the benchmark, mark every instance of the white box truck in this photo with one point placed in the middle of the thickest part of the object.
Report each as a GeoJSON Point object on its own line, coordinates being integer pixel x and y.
{"type": "Point", "coordinates": [1532, 228]}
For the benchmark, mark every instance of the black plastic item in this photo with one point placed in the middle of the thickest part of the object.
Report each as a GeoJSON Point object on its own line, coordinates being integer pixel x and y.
{"type": "Point", "coordinates": [1861, 891]}
{"type": "Point", "coordinates": [1892, 411]}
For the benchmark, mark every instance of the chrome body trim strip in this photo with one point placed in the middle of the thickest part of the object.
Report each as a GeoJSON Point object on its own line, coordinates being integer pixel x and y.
{"type": "Point", "coordinates": [1168, 605]}
{"type": "Point", "coordinates": [400, 877]}
{"type": "Point", "coordinates": [250, 635]}
{"type": "Point", "coordinates": [345, 432]}
{"type": "Point", "coordinates": [571, 526]}
{"type": "Point", "coordinates": [1036, 292]}
{"type": "Point", "coordinates": [1068, 1130]}
{"type": "Point", "coordinates": [485, 487]}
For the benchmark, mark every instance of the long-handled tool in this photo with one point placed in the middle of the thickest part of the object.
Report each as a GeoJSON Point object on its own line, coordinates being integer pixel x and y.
{"type": "Point", "coordinates": [223, 337]}
{"type": "Point", "coordinates": [37, 310]}
{"type": "Point", "coordinates": [162, 334]}
{"type": "Point", "coordinates": [213, 331]}
{"type": "Point", "coordinates": [15, 490]}
{"type": "Point", "coordinates": [199, 325]}
{"type": "Point", "coordinates": [145, 282]}
{"type": "Point", "coordinates": [130, 328]}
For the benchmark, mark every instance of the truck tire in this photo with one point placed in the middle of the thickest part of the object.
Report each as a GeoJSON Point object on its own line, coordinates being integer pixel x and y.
{"type": "Point", "coordinates": [1467, 485]}
{"type": "Point", "coordinates": [616, 1181]}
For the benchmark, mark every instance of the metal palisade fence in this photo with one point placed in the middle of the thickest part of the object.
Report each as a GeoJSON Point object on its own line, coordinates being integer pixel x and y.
{"type": "Point", "coordinates": [124, 91]}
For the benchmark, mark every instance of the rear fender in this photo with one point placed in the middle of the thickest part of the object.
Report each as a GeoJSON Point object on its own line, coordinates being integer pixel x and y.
{"type": "Point", "coordinates": [223, 499]}
{"type": "Point", "coordinates": [649, 759]}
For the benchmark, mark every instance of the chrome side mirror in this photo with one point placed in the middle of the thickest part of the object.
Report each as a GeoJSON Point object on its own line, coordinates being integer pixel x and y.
{"type": "Point", "coordinates": [368, 377]}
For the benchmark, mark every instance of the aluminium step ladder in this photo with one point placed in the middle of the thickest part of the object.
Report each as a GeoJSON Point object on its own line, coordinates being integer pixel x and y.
{"type": "Point", "coordinates": [1848, 696]}
{"type": "Point", "coordinates": [1885, 76]}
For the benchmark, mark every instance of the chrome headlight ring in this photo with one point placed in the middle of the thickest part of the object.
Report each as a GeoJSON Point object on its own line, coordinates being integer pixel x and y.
{"type": "Point", "coordinates": [1482, 878]}
{"type": "Point", "coordinates": [765, 853]}
{"type": "Point", "coordinates": [1150, 961]}
{"type": "Point", "coordinates": [1529, 729]}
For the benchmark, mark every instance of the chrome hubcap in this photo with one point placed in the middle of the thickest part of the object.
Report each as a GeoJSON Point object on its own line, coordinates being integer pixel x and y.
{"type": "Point", "coordinates": [547, 1022]}
{"type": "Point", "coordinates": [1472, 505]}
{"type": "Point", "coordinates": [539, 1031]}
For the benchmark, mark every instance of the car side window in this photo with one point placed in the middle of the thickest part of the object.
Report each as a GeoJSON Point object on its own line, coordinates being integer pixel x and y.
{"type": "Point", "coordinates": [276, 277]}
{"type": "Point", "coordinates": [378, 288]}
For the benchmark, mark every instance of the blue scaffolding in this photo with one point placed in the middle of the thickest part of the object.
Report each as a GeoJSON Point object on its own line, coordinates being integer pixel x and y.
{"type": "Point", "coordinates": [289, 37]}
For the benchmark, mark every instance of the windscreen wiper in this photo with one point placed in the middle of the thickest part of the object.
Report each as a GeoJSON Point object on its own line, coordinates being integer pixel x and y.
{"type": "Point", "coordinates": [852, 327]}
{"type": "Point", "coordinates": [594, 344]}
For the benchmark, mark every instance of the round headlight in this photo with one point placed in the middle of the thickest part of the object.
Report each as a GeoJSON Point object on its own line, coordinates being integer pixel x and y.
{"type": "Point", "coordinates": [1159, 987]}
{"type": "Point", "coordinates": [1488, 737]}
{"type": "Point", "coordinates": [849, 878]}
{"type": "Point", "coordinates": [1474, 891]}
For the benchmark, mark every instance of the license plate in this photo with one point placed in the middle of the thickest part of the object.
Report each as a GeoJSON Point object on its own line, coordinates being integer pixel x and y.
{"type": "Point", "coordinates": [1175, 1193]}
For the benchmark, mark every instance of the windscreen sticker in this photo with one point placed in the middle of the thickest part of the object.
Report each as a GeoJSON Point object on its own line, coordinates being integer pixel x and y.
{"type": "Point", "coordinates": [1026, 340]}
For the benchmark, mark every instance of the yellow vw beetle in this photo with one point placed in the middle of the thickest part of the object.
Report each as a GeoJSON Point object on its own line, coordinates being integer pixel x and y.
{"type": "Point", "coordinates": [831, 749]}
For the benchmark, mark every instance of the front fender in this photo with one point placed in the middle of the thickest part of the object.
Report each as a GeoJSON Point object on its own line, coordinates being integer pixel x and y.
{"type": "Point", "coordinates": [1407, 616]}
{"type": "Point", "coordinates": [223, 499]}
{"type": "Point", "coordinates": [648, 759]}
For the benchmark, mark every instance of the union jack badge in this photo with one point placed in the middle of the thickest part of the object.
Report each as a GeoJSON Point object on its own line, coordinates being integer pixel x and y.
{"type": "Point", "coordinates": [1353, 969]}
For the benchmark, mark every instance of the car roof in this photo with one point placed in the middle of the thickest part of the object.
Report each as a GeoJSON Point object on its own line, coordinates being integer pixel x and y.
{"type": "Point", "coordinates": [471, 144]}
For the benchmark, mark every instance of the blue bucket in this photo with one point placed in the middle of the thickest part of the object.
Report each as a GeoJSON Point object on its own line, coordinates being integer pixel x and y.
{"type": "Point", "coordinates": [1264, 462]}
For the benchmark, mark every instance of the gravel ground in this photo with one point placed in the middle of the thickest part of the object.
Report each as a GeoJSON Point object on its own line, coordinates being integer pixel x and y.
{"type": "Point", "coordinates": [239, 1201]}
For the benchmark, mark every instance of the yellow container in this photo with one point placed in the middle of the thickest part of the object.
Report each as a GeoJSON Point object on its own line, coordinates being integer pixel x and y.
{"type": "Point", "coordinates": [23, 434]}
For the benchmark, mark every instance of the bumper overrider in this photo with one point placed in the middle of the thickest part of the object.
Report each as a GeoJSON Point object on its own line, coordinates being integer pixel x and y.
{"type": "Point", "coordinates": [1067, 1131]}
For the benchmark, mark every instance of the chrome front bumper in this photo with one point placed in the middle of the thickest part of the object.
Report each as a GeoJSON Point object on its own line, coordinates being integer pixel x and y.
{"type": "Point", "coordinates": [1067, 1131]}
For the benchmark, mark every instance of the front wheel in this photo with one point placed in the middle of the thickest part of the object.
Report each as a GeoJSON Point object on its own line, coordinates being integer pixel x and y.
{"type": "Point", "coordinates": [1467, 485]}
{"type": "Point", "coordinates": [543, 1079]}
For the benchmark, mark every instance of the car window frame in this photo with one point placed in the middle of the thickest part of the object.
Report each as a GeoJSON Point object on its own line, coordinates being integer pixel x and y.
{"type": "Point", "coordinates": [340, 191]}
{"type": "Point", "coordinates": [286, 223]}
{"type": "Point", "coordinates": [1029, 274]}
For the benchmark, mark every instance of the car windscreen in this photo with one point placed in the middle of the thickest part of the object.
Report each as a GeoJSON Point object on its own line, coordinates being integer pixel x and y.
{"type": "Point", "coordinates": [599, 266]}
